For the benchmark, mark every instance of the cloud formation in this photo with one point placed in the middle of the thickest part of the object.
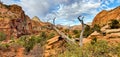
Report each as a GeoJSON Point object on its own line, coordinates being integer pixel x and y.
{"type": "Point", "coordinates": [63, 9]}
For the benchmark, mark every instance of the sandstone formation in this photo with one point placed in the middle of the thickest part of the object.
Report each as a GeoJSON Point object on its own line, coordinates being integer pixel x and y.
{"type": "Point", "coordinates": [35, 18]}
{"type": "Point", "coordinates": [12, 52]}
{"type": "Point", "coordinates": [105, 16]}
{"type": "Point", "coordinates": [94, 34]}
{"type": "Point", "coordinates": [14, 22]}
{"type": "Point", "coordinates": [54, 46]}
{"type": "Point", "coordinates": [110, 35]}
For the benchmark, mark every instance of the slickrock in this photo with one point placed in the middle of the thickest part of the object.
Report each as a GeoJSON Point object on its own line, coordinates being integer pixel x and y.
{"type": "Point", "coordinates": [54, 46]}
{"type": "Point", "coordinates": [105, 16]}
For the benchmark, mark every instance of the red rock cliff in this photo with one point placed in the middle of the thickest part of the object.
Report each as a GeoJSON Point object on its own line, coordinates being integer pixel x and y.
{"type": "Point", "coordinates": [104, 16]}
{"type": "Point", "coordinates": [14, 22]}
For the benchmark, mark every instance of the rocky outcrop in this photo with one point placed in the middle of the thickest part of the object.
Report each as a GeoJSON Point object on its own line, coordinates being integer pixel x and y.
{"type": "Point", "coordinates": [37, 24]}
{"type": "Point", "coordinates": [14, 22]}
{"type": "Point", "coordinates": [95, 34]}
{"type": "Point", "coordinates": [54, 46]}
{"type": "Point", "coordinates": [12, 52]}
{"type": "Point", "coordinates": [105, 16]}
{"type": "Point", "coordinates": [110, 33]}
{"type": "Point", "coordinates": [35, 18]}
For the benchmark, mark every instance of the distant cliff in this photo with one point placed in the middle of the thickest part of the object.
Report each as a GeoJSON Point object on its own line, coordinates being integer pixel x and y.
{"type": "Point", "coordinates": [105, 16]}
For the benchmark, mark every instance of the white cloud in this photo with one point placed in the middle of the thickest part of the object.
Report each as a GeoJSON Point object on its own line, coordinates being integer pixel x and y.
{"type": "Point", "coordinates": [62, 9]}
{"type": "Point", "coordinates": [75, 9]}
{"type": "Point", "coordinates": [36, 7]}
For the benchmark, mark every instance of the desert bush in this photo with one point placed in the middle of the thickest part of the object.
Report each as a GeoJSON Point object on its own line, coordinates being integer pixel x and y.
{"type": "Point", "coordinates": [4, 46]}
{"type": "Point", "coordinates": [75, 31]}
{"type": "Point", "coordinates": [114, 24]}
{"type": "Point", "coordinates": [72, 51]}
{"type": "Point", "coordinates": [70, 36]}
{"type": "Point", "coordinates": [115, 50]}
{"type": "Point", "coordinates": [51, 35]}
{"type": "Point", "coordinates": [87, 31]}
{"type": "Point", "coordinates": [66, 30]}
{"type": "Point", "coordinates": [32, 41]}
{"type": "Point", "coordinates": [30, 44]}
{"type": "Point", "coordinates": [77, 35]}
{"type": "Point", "coordinates": [94, 40]}
{"type": "Point", "coordinates": [43, 35]}
{"type": "Point", "coordinates": [29, 41]}
{"type": "Point", "coordinates": [2, 36]}
{"type": "Point", "coordinates": [96, 28]}
{"type": "Point", "coordinates": [100, 48]}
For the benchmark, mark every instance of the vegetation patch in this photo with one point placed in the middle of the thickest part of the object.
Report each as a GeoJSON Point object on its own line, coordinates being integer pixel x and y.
{"type": "Point", "coordinates": [2, 36]}
{"type": "Point", "coordinates": [114, 24]}
{"type": "Point", "coordinates": [98, 49]}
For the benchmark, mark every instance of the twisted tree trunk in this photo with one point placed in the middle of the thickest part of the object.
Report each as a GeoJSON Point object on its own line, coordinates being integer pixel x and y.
{"type": "Point", "coordinates": [66, 38]}
{"type": "Point", "coordinates": [83, 29]}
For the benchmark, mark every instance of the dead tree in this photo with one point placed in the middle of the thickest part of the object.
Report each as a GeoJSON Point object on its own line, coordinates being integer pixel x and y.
{"type": "Point", "coordinates": [80, 18]}
{"type": "Point", "coordinates": [66, 38]}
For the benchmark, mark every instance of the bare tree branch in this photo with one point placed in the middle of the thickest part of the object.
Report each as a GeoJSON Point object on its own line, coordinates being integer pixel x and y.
{"type": "Point", "coordinates": [80, 18]}
{"type": "Point", "coordinates": [67, 39]}
{"type": "Point", "coordinates": [54, 20]}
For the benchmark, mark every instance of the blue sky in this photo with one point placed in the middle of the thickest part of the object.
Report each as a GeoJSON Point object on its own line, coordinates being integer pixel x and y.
{"type": "Point", "coordinates": [66, 11]}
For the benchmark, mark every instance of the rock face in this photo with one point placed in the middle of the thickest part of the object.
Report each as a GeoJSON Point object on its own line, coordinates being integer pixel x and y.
{"type": "Point", "coordinates": [14, 22]}
{"type": "Point", "coordinates": [104, 16]}
{"type": "Point", "coordinates": [54, 46]}
{"type": "Point", "coordinates": [12, 52]}
{"type": "Point", "coordinates": [37, 25]}
{"type": "Point", "coordinates": [36, 19]}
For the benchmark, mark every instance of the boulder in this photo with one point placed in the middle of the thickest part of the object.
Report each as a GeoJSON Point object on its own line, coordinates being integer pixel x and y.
{"type": "Point", "coordinates": [94, 34]}
{"type": "Point", "coordinates": [54, 46]}
{"type": "Point", "coordinates": [108, 31]}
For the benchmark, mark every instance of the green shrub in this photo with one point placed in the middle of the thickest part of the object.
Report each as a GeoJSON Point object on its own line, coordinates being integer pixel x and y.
{"type": "Point", "coordinates": [29, 41]}
{"type": "Point", "coordinates": [30, 44]}
{"type": "Point", "coordinates": [94, 40]}
{"type": "Point", "coordinates": [51, 35]}
{"type": "Point", "coordinates": [70, 36]}
{"type": "Point", "coordinates": [75, 31]}
{"type": "Point", "coordinates": [87, 31]}
{"type": "Point", "coordinates": [43, 35]}
{"type": "Point", "coordinates": [67, 30]}
{"type": "Point", "coordinates": [77, 35]}
{"type": "Point", "coordinates": [72, 51]}
{"type": "Point", "coordinates": [4, 46]}
{"type": "Point", "coordinates": [114, 24]}
{"type": "Point", "coordinates": [99, 49]}
{"type": "Point", "coordinates": [96, 28]}
{"type": "Point", "coordinates": [2, 36]}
